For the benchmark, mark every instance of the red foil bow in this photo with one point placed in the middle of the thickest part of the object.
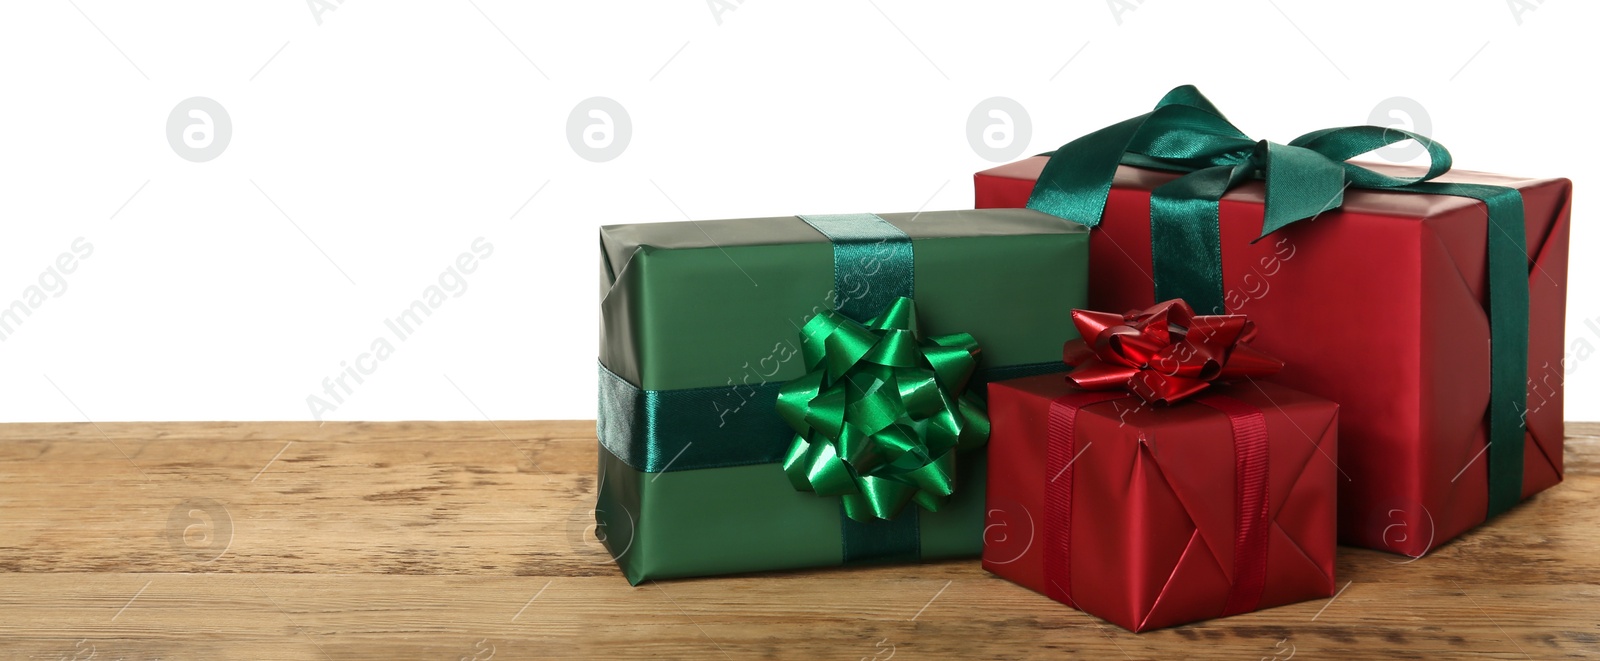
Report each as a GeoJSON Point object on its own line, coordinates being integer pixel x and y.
{"type": "Point", "coordinates": [1164, 353]}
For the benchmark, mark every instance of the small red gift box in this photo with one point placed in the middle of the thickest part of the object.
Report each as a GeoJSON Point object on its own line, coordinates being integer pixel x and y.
{"type": "Point", "coordinates": [1153, 515]}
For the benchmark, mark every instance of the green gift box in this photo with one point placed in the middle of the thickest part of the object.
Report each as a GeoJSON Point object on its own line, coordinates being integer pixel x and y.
{"type": "Point", "coordinates": [701, 326]}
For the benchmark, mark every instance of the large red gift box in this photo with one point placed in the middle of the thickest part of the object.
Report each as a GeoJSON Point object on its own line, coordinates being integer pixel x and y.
{"type": "Point", "coordinates": [1378, 305]}
{"type": "Point", "coordinates": [1150, 515]}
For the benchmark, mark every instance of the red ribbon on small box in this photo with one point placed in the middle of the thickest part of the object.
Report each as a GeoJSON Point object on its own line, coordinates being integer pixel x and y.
{"type": "Point", "coordinates": [1164, 354]}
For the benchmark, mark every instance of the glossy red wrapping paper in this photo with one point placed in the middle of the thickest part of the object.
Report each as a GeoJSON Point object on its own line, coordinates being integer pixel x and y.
{"type": "Point", "coordinates": [1154, 516]}
{"type": "Point", "coordinates": [1379, 306]}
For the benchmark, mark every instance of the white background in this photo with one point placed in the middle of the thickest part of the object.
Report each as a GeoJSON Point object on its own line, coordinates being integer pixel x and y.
{"type": "Point", "coordinates": [392, 134]}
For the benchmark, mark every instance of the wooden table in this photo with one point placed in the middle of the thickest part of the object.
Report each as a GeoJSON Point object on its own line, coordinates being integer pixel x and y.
{"type": "Point", "coordinates": [467, 540]}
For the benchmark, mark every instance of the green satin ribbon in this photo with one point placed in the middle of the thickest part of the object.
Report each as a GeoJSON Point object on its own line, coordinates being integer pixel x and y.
{"type": "Point", "coordinates": [661, 431]}
{"type": "Point", "coordinates": [1186, 133]}
{"type": "Point", "coordinates": [882, 414]}
{"type": "Point", "coordinates": [872, 262]}
{"type": "Point", "coordinates": [872, 266]}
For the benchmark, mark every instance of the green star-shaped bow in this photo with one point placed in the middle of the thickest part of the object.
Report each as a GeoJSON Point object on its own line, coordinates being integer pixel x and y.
{"type": "Point", "coordinates": [882, 414]}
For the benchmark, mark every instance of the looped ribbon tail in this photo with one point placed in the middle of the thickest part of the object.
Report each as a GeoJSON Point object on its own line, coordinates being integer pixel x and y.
{"type": "Point", "coordinates": [882, 413]}
{"type": "Point", "coordinates": [1185, 133]}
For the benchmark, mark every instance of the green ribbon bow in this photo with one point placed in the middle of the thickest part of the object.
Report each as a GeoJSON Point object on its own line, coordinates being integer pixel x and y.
{"type": "Point", "coordinates": [882, 414]}
{"type": "Point", "coordinates": [1186, 133]}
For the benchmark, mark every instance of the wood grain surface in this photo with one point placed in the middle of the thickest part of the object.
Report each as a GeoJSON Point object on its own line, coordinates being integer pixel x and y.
{"type": "Point", "coordinates": [474, 540]}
